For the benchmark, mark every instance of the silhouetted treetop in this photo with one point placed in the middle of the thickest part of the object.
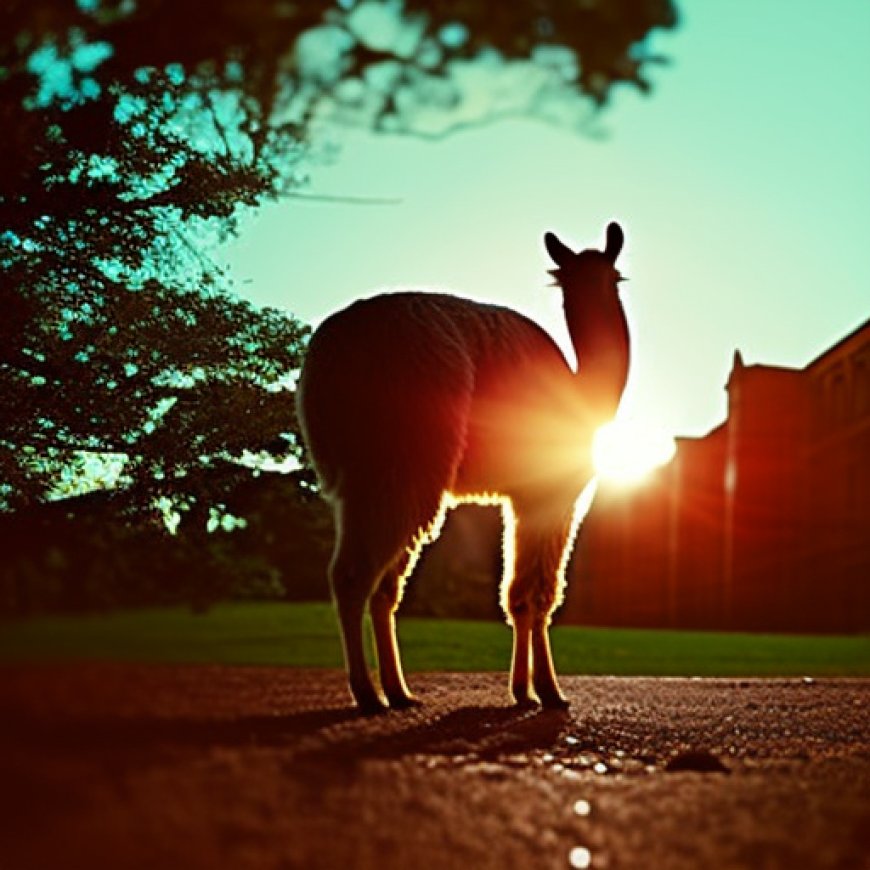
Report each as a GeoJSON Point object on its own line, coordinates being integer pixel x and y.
{"type": "Point", "coordinates": [417, 67]}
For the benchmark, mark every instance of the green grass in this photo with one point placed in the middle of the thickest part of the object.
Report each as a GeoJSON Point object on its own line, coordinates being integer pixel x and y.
{"type": "Point", "coordinates": [305, 635]}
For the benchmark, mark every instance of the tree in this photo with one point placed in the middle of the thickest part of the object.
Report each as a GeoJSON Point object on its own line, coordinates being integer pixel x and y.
{"type": "Point", "coordinates": [135, 134]}
{"type": "Point", "coordinates": [122, 351]}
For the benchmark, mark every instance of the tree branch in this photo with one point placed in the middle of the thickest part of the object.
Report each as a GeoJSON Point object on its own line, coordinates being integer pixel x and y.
{"type": "Point", "coordinates": [347, 200]}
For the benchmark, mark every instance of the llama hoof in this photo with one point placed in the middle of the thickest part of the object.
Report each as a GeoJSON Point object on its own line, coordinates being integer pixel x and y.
{"type": "Point", "coordinates": [370, 703]}
{"type": "Point", "coordinates": [523, 699]}
{"type": "Point", "coordinates": [372, 707]}
{"type": "Point", "coordinates": [554, 701]}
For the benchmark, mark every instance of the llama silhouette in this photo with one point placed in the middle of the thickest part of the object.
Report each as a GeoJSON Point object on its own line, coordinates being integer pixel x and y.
{"type": "Point", "coordinates": [412, 402]}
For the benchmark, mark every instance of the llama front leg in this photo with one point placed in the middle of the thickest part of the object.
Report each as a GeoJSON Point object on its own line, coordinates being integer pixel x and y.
{"type": "Point", "coordinates": [521, 656]}
{"type": "Point", "coordinates": [531, 598]}
{"type": "Point", "coordinates": [515, 606]}
{"type": "Point", "coordinates": [543, 672]}
{"type": "Point", "coordinates": [383, 606]}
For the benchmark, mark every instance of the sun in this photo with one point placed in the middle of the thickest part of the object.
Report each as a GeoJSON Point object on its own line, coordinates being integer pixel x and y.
{"type": "Point", "coordinates": [627, 451]}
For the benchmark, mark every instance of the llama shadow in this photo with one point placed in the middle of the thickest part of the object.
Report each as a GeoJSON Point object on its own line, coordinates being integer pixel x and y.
{"type": "Point", "coordinates": [488, 733]}
{"type": "Point", "coordinates": [328, 738]}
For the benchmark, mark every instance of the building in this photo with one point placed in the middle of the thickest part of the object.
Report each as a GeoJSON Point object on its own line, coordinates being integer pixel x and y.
{"type": "Point", "coordinates": [763, 524]}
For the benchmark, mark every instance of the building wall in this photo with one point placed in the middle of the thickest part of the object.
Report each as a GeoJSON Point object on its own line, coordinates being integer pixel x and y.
{"type": "Point", "coordinates": [764, 524]}
{"type": "Point", "coordinates": [836, 497]}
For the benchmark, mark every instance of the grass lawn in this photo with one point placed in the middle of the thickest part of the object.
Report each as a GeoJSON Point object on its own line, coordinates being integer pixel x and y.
{"type": "Point", "coordinates": [305, 635]}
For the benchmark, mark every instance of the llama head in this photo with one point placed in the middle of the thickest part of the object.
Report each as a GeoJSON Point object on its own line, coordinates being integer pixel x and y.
{"type": "Point", "coordinates": [589, 268]}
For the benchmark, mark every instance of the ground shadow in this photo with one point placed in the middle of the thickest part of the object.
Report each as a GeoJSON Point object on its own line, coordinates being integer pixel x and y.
{"type": "Point", "coordinates": [334, 736]}
{"type": "Point", "coordinates": [486, 733]}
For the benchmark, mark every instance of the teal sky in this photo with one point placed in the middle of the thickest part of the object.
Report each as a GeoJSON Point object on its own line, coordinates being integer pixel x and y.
{"type": "Point", "coordinates": [743, 184]}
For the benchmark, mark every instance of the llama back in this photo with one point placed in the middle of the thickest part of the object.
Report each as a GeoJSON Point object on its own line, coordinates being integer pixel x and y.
{"type": "Point", "coordinates": [388, 382]}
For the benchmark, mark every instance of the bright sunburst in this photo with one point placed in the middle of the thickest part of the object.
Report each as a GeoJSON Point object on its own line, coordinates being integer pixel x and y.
{"type": "Point", "coordinates": [627, 451]}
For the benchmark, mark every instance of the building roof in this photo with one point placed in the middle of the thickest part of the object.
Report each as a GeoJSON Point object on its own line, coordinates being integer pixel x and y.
{"type": "Point", "coordinates": [838, 346]}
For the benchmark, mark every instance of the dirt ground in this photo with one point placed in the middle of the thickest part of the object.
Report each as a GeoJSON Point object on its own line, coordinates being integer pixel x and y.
{"type": "Point", "coordinates": [119, 766]}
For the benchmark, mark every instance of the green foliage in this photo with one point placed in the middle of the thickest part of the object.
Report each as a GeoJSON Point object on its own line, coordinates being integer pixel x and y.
{"type": "Point", "coordinates": [122, 339]}
{"type": "Point", "coordinates": [172, 384]}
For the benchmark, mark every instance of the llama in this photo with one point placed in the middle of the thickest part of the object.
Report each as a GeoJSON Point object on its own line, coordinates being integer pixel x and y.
{"type": "Point", "coordinates": [412, 402]}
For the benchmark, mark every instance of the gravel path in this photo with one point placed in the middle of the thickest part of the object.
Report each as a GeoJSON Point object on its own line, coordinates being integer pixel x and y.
{"type": "Point", "coordinates": [120, 766]}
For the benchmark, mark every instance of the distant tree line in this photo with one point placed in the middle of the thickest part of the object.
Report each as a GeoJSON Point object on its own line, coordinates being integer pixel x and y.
{"type": "Point", "coordinates": [75, 555]}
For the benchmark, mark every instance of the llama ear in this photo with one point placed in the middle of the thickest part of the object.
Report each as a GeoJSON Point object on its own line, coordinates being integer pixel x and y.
{"type": "Point", "coordinates": [615, 240]}
{"type": "Point", "coordinates": [560, 253]}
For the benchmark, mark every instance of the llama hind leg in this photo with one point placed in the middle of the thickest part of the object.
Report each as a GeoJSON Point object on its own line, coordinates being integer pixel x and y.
{"type": "Point", "coordinates": [350, 604]}
{"type": "Point", "coordinates": [383, 604]}
{"type": "Point", "coordinates": [369, 558]}
{"type": "Point", "coordinates": [353, 575]}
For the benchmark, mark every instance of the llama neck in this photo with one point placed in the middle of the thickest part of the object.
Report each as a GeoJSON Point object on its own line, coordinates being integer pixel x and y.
{"type": "Point", "coordinates": [599, 333]}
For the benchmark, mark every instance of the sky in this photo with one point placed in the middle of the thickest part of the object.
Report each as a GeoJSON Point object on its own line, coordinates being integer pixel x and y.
{"type": "Point", "coordinates": [743, 185]}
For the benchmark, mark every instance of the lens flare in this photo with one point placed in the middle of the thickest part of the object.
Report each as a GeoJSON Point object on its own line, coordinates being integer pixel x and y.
{"type": "Point", "coordinates": [626, 452]}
